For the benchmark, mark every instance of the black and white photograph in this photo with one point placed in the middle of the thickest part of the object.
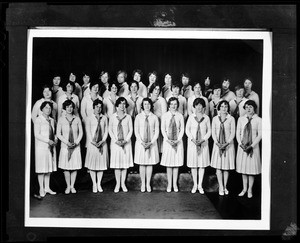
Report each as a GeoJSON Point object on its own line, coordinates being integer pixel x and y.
{"type": "Point", "coordinates": [148, 128]}
{"type": "Point", "coordinates": [149, 120]}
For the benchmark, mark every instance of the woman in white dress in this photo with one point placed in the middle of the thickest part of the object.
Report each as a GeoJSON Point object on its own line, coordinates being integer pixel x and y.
{"type": "Point", "coordinates": [197, 94]}
{"type": "Point", "coordinates": [47, 96]}
{"type": "Point", "coordinates": [96, 159]}
{"type": "Point", "coordinates": [198, 131]}
{"type": "Point", "coordinates": [69, 132]}
{"type": "Point", "coordinates": [223, 153]}
{"type": "Point", "coordinates": [109, 101]}
{"type": "Point", "coordinates": [146, 129]}
{"type": "Point", "coordinates": [134, 100]}
{"type": "Point", "coordinates": [172, 129]}
{"type": "Point", "coordinates": [248, 135]}
{"type": "Point", "coordinates": [120, 131]}
{"type": "Point", "coordinates": [159, 108]}
{"type": "Point", "coordinates": [45, 151]}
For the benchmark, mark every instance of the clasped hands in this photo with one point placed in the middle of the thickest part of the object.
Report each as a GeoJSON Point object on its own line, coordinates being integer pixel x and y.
{"type": "Point", "coordinates": [98, 145]}
{"type": "Point", "coordinates": [222, 146]}
{"type": "Point", "coordinates": [71, 145]}
{"type": "Point", "coordinates": [173, 143]}
{"type": "Point", "coordinates": [121, 143]}
{"type": "Point", "coordinates": [53, 143]}
{"type": "Point", "coordinates": [247, 149]}
{"type": "Point", "coordinates": [198, 142]}
{"type": "Point", "coordinates": [146, 145]}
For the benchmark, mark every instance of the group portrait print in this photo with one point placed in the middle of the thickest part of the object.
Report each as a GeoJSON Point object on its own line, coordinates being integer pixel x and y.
{"type": "Point", "coordinates": [148, 128]}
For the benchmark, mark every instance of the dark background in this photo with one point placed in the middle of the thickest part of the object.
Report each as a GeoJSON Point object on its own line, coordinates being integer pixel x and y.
{"type": "Point", "coordinates": [281, 19]}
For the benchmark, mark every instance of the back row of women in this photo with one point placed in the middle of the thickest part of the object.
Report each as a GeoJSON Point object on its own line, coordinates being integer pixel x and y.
{"type": "Point", "coordinates": [151, 124]}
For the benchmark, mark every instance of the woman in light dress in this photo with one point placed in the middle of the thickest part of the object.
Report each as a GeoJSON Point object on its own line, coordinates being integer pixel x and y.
{"type": "Point", "coordinates": [172, 129]}
{"type": "Point", "coordinates": [223, 153]}
{"type": "Point", "coordinates": [45, 150]}
{"type": "Point", "coordinates": [120, 131]}
{"type": "Point", "coordinates": [69, 132]}
{"type": "Point", "coordinates": [109, 101]}
{"type": "Point", "coordinates": [248, 135]}
{"type": "Point", "coordinates": [96, 160]}
{"type": "Point", "coordinates": [198, 131]}
{"type": "Point", "coordinates": [146, 129]}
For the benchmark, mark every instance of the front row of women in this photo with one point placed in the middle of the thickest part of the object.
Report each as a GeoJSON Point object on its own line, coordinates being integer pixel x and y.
{"type": "Point", "coordinates": [146, 128]}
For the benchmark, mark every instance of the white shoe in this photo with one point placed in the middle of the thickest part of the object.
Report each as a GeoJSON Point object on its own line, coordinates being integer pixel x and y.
{"type": "Point", "coordinates": [194, 189]}
{"type": "Point", "coordinates": [201, 191]}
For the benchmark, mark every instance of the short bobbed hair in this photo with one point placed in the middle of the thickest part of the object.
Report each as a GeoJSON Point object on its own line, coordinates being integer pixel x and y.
{"type": "Point", "coordinates": [198, 101]}
{"type": "Point", "coordinates": [152, 87]}
{"type": "Point", "coordinates": [252, 103]}
{"type": "Point", "coordinates": [195, 83]}
{"type": "Point", "coordinates": [97, 102]}
{"type": "Point", "coordinates": [46, 103]}
{"type": "Point", "coordinates": [113, 83]}
{"type": "Point", "coordinates": [172, 99]}
{"type": "Point", "coordinates": [134, 82]}
{"type": "Point", "coordinates": [221, 102]}
{"type": "Point", "coordinates": [71, 83]}
{"type": "Point", "coordinates": [68, 103]}
{"type": "Point", "coordinates": [148, 100]}
{"type": "Point", "coordinates": [120, 100]}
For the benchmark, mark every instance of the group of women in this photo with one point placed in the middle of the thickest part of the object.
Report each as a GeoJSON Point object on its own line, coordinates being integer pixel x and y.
{"type": "Point", "coordinates": [162, 125]}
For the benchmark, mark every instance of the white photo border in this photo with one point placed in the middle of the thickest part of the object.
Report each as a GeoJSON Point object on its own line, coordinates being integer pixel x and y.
{"type": "Point", "coordinates": [160, 33]}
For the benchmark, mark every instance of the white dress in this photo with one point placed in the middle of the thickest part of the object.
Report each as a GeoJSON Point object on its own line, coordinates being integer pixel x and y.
{"type": "Point", "coordinates": [130, 101]}
{"type": "Point", "coordinates": [172, 157]}
{"type": "Point", "coordinates": [195, 160]}
{"type": "Point", "coordinates": [75, 162]}
{"type": "Point", "coordinates": [190, 102]}
{"type": "Point", "coordinates": [227, 160]}
{"type": "Point", "coordinates": [45, 161]}
{"type": "Point", "coordinates": [143, 91]}
{"type": "Point", "coordinates": [233, 104]}
{"type": "Point", "coordinates": [120, 158]}
{"type": "Point", "coordinates": [246, 164]}
{"type": "Point", "coordinates": [95, 160]}
{"type": "Point", "coordinates": [36, 111]}
{"type": "Point", "coordinates": [109, 106]}
{"type": "Point", "coordinates": [151, 155]}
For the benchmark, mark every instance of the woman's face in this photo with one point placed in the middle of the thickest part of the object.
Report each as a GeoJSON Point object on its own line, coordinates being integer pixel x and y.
{"type": "Point", "coordinates": [104, 78]}
{"type": "Point", "coordinates": [56, 81]}
{"type": "Point", "coordinates": [98, 109]}
{"type": "Point", "coordinates": [240, 93]}
{"type": "Point", "coordinates": [175, 90]}
{"type": "Point", "coordinates": [114, 89]}
{"type": "Point", "coordinates": [146, 105]}
{"type": "Point", "coordinates": [185, 80]}
{"type": "Point", "coordinates": [225, 84]}
{"type": "Point", "coordinates": [207, 81]}
{"type": "Point", "coordinates": [133, 88]}
{"type": "Point", "coordinates": [121, 78]}
{"type": "Point", "coordinates": [247, 84]}
{"type": "Point", "coordinates": [152, 78]}
{"type": "Point", "coordinates": [95, 88]}
{"type": "Point", "coordinates": [249, 109]}
{"type": "Point", "coordinates": [197, 89]}
{"type": "Point", "coordinates": [156, 90]}
{"type": "Point", "coordinates": [122, 106]}
{"type": "Point", "coordinates": [86, 79]}
{"type": "Point", "coordinates": [199, 108]}
{"type": "Point", "coordinates": [72, 77]}
{"type": "Point", "coordinates": [168, 79]}
{"type": "Point", "coordinates": [69, 109]}
{"type": "Point", "coordinates": [137, 77]}
{"type": "Point", "coordinates": [224, 108]}
{"type": "Point", "coordinates": [217, 92]}
{"type": "Point", "coordinates": [173, 105]}
{"type": "Point", "coordinates": [47, 93]}
{"type": "Point", "coordinates": [47, 110]}
{"type": "Point", "coordinates": [69, 88]}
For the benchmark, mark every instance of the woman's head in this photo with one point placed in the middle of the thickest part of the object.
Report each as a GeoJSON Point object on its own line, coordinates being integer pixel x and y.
{"type": "Point", "coordinates": [134, 86]}
{"type": "Point", "coordinates": [104, 77]}
{"type": "Point", "coordinates": [69, 87]}
{"type": "Point", "coordinates": [147, 102]}
{"type": "Point", "coordinates": [248, 104]}
{"type": "Point", "coordinates": [47, 93]}
{"type": "Point", "coordinates": [223, 105]}
{"type": "Point", "coordinates": [113, 87]}
{"type": "Point", "coordinates": [173, 103]}
{"type": "Point", "coordinates": [152, 77]}
{"type": "Point", "coordinates": [176, 86]}
{"type": "Point", "coordinates": [239, 90]}
{"type": "Point", "coordinates": [121, 100]}
{"type": "Point", "coordinates": [46, 107]}
{"type": "Point", "coordinates": [97, 106]}
{"type": "Point", "coordinates": [185, 79]}
{"type": "Point", "coordinates": [137, 75]}
{"type": "Point", "coordinates": [217, 90]}
{"type": "Point", "coordinates": [168, 79]}
{"type": "Point", "coordinates": [121, 76]}
{"type": "Point", "coordinates": [155, 89]}
{"type": "Point", "coordinates": [248, 83]}
{"type": "Point", "coordinates": [68, 106]}
{"type": "Point", "coordinates": [197, 87]}
{"type": "Point", "coordinates": [199, 101]}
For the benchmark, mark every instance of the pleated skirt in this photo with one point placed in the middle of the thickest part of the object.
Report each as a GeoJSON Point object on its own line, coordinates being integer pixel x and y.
{"type": "Point", "coordinates": [121, 158]}
{"type": "Point", "coordinates": [146, 157]}
{"type": "Point", "coordinates": [45, 162]}
{"type": "Point", "coordinates": [195, 160]}
{"type": "Point", "coordinates": [224, 162]}
{"type": "Point", "coordinates": [246, 164]}
{"type": "Point", "coordinates": [75, 162]}
{"type": "Point", "coordinates": [172, 157]}
{"type": "Point", "coordinates": [94, 160]}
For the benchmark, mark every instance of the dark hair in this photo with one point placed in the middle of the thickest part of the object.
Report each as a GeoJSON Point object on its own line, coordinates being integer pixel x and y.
{"type": "Point", "coordinates": [238, 87]}
{"type": "Point", "coordinates": [46, 103]}
{"type": "Point", "coordinates": [86, 73]}
{"type": "Point", "coordinates": [54, 75]}
{"type": "Point", "coordinates": [176, 84]}
{"type": "Point", "coordinates": [46, 86]}
{"type": "Point", "coordinates": [252, 103]}
{"type": "Point", "coordinates": [185, 75]}
{"type": "Point", "coordinates": [198, 101]}
{"type": "Point", "coordinates": [137, 71]}
{"type": "Point", "coordinates": [153, 72]}
{"type": "Point", "coordinates": [133, 82]}
{"type": "Point", "coordinates": [97, 102]}
{"type": "Point", "coordinates": [217, 86]}
{"type": "Point", "coordinates": [172, 99]}
{"type": "Point", "coordinates": [113, 83]}
{"type": "Point", "coordinates": [225, 79]}
{"type": "Point", "coordinates": [71, 83]}
{"type": "Point", "coordinates": [119, 100]}
{"type": "Point", "coordinates": [94, 82]}
{"type": "Point", "coordinates": [150, 102]}
{"type": "Point", "coordinates": [167, 73]}
{"type": "Point", "coordinates": [152, 87]}
{"type": "Point", "coordinates": [248, 78]}
{"type": "Point", "coordinates": [195, 83]}
{"type": "Point", "coordinates": [122, 71]}
{"type": "Point", "coordinates": [68, 103]}
{"type": "Point", "coordinates": [104, 72]}
{"type": "Point", "coordinates": [221, 102]}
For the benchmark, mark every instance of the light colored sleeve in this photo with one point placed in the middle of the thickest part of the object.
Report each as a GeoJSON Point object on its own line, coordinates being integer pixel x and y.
{"type": "Point", "coordinates": [163, 126]}
{"type": "Point", "coordinates": [208, 131]}
{"type": "Point", "coordinates": [59, 132]}
{"type": "Point", "coordinates": [238, 133]}
{"type": "Point", "coordinates": [164, 108]}
{"type": "Point", "coordinates": [80, 130]}
{"type": "Point", "coordinates": [211, 108]}
{"type": "Point", "coordinates": [88, 129]}
{"type": "Point", "coordinates": [189, 106]}
{"type": "Point", "coordinates": [37, 132]}
{"type": "Point", "coordinates": [130, 127]}
{"type": "Point", "coordinates": [232, 130]}
{"type": "Point", "coordinates": [185, 112]}
{"type": "Point", "coordinates": [35, 111]}
{"type": "Point", "coordinates": [206, 106]}
{"type": "Point", "coordinates": [188, 128]}
{"type": "Point", "coordinates": [54, 111]}
{"type": "Point", "coordinates": [83, 109]}
{"type": "Point", "coordinates": [105, 134]}
{"type": "Point", "coordinates": [181, 133]}
{"type": "Point", "coordinates": [137, 128]}
{"type": "Point", "coordinates": [110, 130]}
{"type": "Point", "coordinates": [59, 107]}
{"type": "Point", "coordinates": [156, 131]}
{"type": "Point", "coordinates": [213, 130]}
{"type": "Point", "coordinates": [259, 133]}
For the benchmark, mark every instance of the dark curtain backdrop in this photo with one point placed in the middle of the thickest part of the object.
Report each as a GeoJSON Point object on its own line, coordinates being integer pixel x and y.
{"type": "Point", "coordinates": [235, 59]}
